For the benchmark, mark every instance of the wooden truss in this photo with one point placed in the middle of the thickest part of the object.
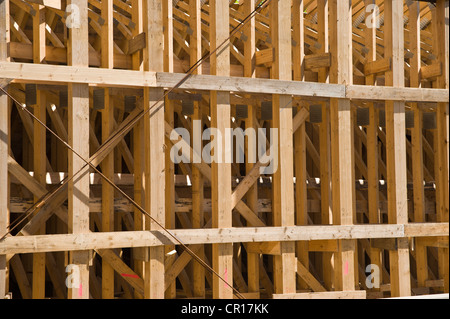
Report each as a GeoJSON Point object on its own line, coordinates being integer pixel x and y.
{"type": "Point", "coordinates": [357, 90]}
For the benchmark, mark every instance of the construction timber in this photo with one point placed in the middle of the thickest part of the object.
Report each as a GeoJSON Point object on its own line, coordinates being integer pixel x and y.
{"type": "Point", "coordinates": [93, 206]}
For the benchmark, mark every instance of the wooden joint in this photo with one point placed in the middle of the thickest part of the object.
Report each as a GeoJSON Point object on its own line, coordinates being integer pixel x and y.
{"type": "Point", "coordinates": [431, 71]}
{"type": "Point", "coordinates": [378, 66]}
{"type": "Point", "coordinates": [316, 61]}
{"type": "Point", "coordinates": [136, 43]}
{"type": "Point", "coordinates": [266, 56]}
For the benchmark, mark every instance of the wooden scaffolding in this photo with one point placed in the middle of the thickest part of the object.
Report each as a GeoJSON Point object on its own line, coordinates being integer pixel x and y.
{"type": "Point", "coordinates": [357, 92]}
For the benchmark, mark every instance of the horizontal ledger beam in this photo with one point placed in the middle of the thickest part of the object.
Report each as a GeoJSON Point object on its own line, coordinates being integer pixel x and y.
{"type": "Point", "coordinates": [44, 73]}
{"type": "Point", "coordinates": [109, 240]}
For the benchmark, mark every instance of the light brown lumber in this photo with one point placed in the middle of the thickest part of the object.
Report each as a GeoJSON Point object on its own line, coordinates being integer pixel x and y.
{"type": "Point", "coordinates": [107, 61]}
{"type": "Point", "coordinates": [373, 174]}
{"type": "Point", "coordinates": [283, 188]}
{"type": "Point", "coordinates": [4, 146]}
{"type": "Point", "coordinates": [342, 141]}
{"type": "Point", "coordinates": [138, 146]}
{"type": "Point", "coordinates": [169, 167]}
{"type": "Point", "coordinates": [298, 57]}
{"type": "Point", "coordinates": [416, 142]}
{"type": "Point", "coordinates": [222, 254]}
{"type": "Point", "coordinates": [39, 142]}
{"type": "Point", "coordinates": [78, 190]}
{"type": "Point", "coordinates": [195, 54]}
{"type": "Point", "coordinates": [85, 241]}
{"type": "Point", "coordinates": [154, 148]}
{"type": "Point", "coordinates": [396, 148]}
{"type": "Point", "coordinates": [441, 137]}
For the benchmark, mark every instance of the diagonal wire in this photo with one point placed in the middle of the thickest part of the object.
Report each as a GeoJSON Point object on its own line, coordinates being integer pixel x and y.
{"type": "Point", "coordinates": [123, 131]}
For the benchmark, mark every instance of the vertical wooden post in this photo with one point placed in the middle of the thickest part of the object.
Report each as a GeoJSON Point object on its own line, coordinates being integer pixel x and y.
{"type": "Point", "coordinates": [283, 186]}
{"type": "Point", "coordinates": [343, 180]}
{"type": "Point", "coordinates": [222, 254]}
{"type": "Point", "coordinates": [39, 143]}
{"type": "Point", "coordinates": [250, 122]}
{"type": "Point", "coordinates": [301, 196]}
{"type": "Point", "coordinates": [138, 145]}
{"type": "Point", "coordinates": [4, 144]}
{"type": "Point", "coordinates": [195, 54]}
{"type": "Point", "coordinates": [107, 61]}
{"type": "Point", "coordinates": [154, 148]}
{"type": "Point", "coordinates": [441, 47]}
{"type": "Point", "coordinates": [416, 141]}
{"type": "Point", "coordinates": [169, 118]}
{"type": "Point", "coordinates": [396, 147]}
{"type": "Point", "coordinates": [372, 141]}
{"type": "Point", "coordinates": [324, 142]}
{"type": "Point", "coordinates": [79, 139]}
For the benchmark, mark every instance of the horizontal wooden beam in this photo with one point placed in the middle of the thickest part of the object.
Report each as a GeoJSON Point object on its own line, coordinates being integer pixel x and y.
{"type": "Point", "coordinates": [41, 73]}
{"type": "Point", "coordinates": [109, 240]}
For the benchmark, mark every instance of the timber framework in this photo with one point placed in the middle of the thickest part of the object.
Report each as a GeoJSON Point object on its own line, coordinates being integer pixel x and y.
{"type": "Point", "coordinates": [105, 191]}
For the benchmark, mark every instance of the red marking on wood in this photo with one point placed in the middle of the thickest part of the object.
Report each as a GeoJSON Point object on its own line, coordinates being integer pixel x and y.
{"type": "Point", "coordinates": [130, 275]}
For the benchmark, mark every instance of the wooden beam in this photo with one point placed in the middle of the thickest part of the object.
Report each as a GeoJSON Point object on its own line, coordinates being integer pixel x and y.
{"type": "Point", "coordinates": [283, 188]}
{"type": "Point", "coordinates": [107, 61]}
{"type": "Point", "coordinates": [441, 137]}
{"type": "Point", "coordinates": [220, 119]}
{"type": "Point", "coordinates": [342, 149]}
{"type": "Point", "coordinates": [154, 147]}
{"type": "Point", "coordinates": [416, 141]}
{"type": "Point", "coordinates": [396, 147]}
{"type": "Point", "coordinates": [4, 146]}
{"type": "Point", "coordinates": [373, 174]}
{"type": "Point", "coordinates": [78, 137]}
{"type": "Point", "coordinates": [35, 73]}
{"type": "Point", "coordinates": [101, 240]}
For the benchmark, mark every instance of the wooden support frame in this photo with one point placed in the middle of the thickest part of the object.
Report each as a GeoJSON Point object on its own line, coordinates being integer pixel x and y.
{"type": "Point", "coordinates": [295, 54]}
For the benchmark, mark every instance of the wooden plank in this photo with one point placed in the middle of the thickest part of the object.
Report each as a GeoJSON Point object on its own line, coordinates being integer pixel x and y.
{"type": "Point", "coordinates": [222, 255]}
{"type": "Point", "coordinates": [39, 163]}
{"type": "Point", "coordinates": [78, 135]}
{"type": "Point", "coordinates": [416, 141]}
{"type": "Point", "coordinates": [396, 148]}
{"type": "Point", "coordinates": [107, 61]}
{"type": "Point", "coordinates": [441, 137]}
{"type": "Point", "coordinates": [101, 240]}
{"type": "Point", "coordinates": [323, 245]}
{"type": "Point", "coordinates": [4, 146]}
{"type": "Point", "coordinates": [342, 141]}
{"type": "Point", "coordinates": [283, 188]}
{"type": "Point", "coordinates": [359, 294]}
{"type": "Point", "coordinates": [26, 72]}
{"type": "Point", "coordinates": [301, 208]}
{"type": "Point", "coordinates": [373, 173]}
{"type": "Point", "coordinates": [138, 146]}
{"type": "Point", "coordinates": [253, 266]}
{"type": "Point", "coordinates": [154, 148]}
